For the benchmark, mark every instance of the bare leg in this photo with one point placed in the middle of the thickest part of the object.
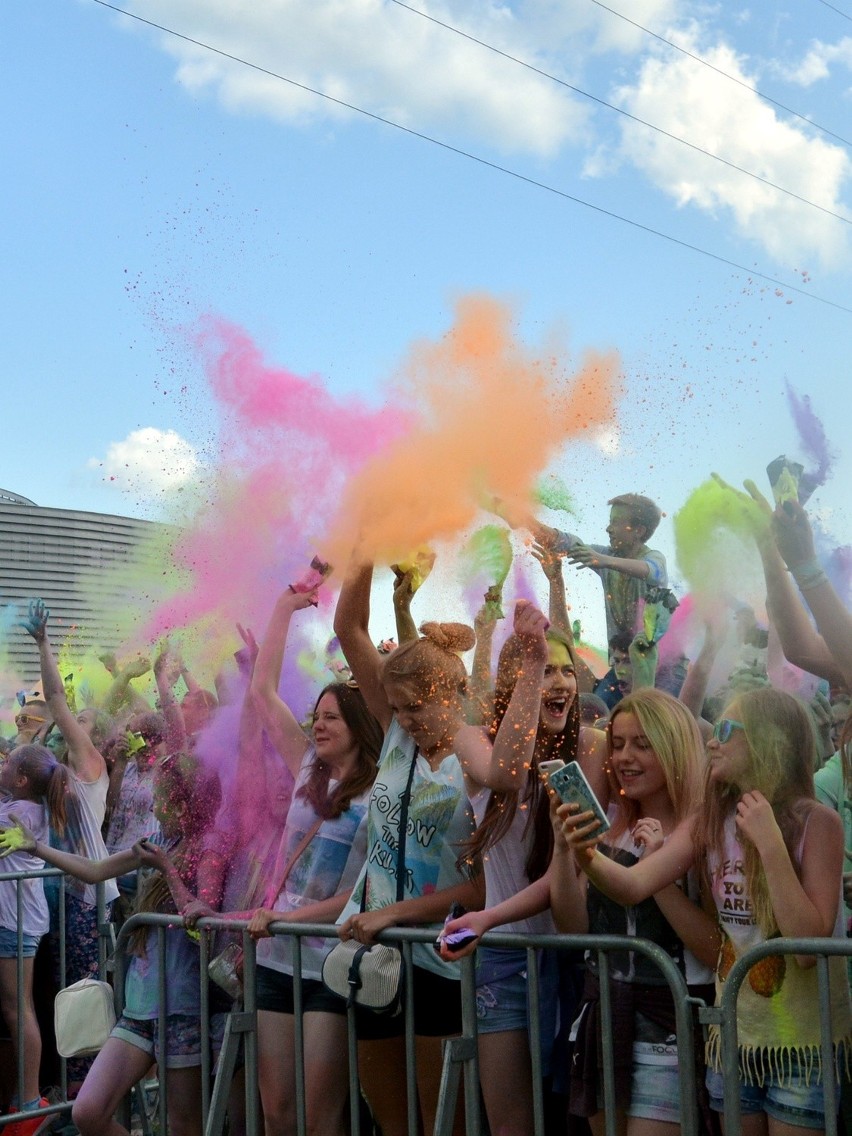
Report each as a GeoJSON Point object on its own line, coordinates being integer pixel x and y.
{"type": "Point", "coordinates": [12, 1012]}
{"type": "Point", "coordinates": [117, 1067]}
{"type": "Point", "coordinates": [505, 1073]}
{"type": "Point", "coordinates": [642, 1126]}
{"type": "Point", "coordinates": [184, 1095]}
{"type": "Point", "coordinates": [429, 1057]}
{"type": "Point", "coordinates": [597, 1123]}
{"type": "Point", "coordinates": [381, 1069]}
{"type": "Point", "coordinates": [326, 1078]}
{"type": "Point", "coordinates": [779, 1128]}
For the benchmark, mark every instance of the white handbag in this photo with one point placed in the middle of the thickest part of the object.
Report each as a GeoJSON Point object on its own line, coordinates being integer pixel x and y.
{"type": "Point", "coordinates": [83, 1016]}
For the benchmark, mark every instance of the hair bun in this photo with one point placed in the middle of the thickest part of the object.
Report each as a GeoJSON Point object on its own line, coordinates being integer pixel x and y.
{"type": "Point", "coordinates": [449, 636]}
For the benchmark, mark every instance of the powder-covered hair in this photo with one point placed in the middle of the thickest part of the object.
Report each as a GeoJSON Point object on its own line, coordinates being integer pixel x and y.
{"type": "Point", "coordinates": [368, 736]}
{"type": "Point", "coordinates": [673, 735]}
{"type": "Point", "coordinates": [185, 782]}
{"type": "Point", "coordinates": [501, 807]}
{"type": "Point", "coordinates": [641, 510]}
{"type": "Point", "coordinates": [782, 748]}
{"type": "Point", "coordinates": [48, 779]}
{"type": "Point", "coordinates": [430, 664]}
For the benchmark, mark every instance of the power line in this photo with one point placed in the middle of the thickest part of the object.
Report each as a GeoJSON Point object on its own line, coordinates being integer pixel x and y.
{"type": "Point", "coordinates": [741, 268]}
{"type": "Point", "coordinates": [725, 74]}
{"type": "Point", "coordinates": [622, 111]}
{"type": "Point", "coordinates": [839, 11]}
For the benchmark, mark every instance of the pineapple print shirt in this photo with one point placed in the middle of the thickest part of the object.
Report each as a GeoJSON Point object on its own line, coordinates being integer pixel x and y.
{"type": "Point", "coordinates": [778, 1003]}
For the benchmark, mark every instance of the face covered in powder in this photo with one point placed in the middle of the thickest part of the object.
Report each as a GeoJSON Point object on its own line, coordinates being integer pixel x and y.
{"type": "Point", "coordinates": [559, 688]}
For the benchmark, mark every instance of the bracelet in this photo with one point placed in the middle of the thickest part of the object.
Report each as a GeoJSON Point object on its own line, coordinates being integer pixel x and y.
{"type": "Point", "coordinates": [809, 574]}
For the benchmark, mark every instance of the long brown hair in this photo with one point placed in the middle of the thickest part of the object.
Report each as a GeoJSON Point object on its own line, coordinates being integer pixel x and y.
{"type": "Point", "coordinates": [782, 756]}
{"type": "Point", "coordinates": [502, 806]}
{"type": "Point", "coordinates": [368, 737]}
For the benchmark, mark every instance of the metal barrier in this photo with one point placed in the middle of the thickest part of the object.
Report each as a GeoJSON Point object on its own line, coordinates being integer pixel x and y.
{"type": "Point", "coordinates": [460, 1053]}
{"type": "Point", "coordinates": [106, 940]}
{"type": "Point", "coordinates": [725, 1017]}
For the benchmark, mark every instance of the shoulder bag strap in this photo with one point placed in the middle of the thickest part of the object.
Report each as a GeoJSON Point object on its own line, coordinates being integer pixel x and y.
{"type": "Point", "coordinates": [400, 841]}
{"type": "Point", "coordinates": [271, 895]}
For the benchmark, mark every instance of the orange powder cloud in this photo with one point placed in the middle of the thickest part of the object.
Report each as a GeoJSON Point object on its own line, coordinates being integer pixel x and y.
{"type": "Point", "coordinates": [492, 414]}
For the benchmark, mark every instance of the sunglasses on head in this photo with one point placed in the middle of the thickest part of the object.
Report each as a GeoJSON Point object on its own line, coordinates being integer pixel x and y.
{"type": "Point", "coordinates": [24, 719]}
{"type": "Point", "coordinates": [724, 728]}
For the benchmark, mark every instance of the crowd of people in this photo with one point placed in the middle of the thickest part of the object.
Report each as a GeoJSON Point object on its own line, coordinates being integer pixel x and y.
{"type": "Point", "coordinates": [728, 823]}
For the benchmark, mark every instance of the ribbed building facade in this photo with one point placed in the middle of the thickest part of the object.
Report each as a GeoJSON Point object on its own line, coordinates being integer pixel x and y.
{"type": "Point", "coordinates": [69, 559]}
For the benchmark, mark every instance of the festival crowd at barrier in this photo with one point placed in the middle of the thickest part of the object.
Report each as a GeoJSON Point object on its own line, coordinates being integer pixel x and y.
{"type": "Point", "coordinates": [413, 793]}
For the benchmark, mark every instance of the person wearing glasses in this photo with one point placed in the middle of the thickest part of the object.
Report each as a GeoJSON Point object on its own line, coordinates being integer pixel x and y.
{"type": "Point", "coordinates": [773, 857]}
{"type": "Point", "coordinates": [33, 721]}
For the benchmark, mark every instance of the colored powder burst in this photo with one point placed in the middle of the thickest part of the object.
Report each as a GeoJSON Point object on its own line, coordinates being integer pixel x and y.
{"type": "Point", "coordinates": [286, 450]}
{"type": "Point", "coordinates": [487, 556]}
{"type": "Point", "coordinates": [814, 442]}
{"type": "Point", "coordinates": [492, 416]}
{"type": "Point", "coordinates": [714, 542]}
{"type": "Point", "coordinates": [552, 492]}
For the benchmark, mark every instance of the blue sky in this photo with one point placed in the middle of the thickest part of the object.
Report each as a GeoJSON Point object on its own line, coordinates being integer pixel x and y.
{"type": "Point", "coordinates": [148, 182]}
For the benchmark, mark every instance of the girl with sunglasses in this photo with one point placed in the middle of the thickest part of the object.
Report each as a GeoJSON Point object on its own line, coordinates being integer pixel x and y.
{"type": "Point", "coordinates": [772, 858]}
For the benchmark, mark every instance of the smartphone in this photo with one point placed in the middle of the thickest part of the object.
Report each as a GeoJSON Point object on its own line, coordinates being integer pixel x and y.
{"type": "Point", "coordinates": [458, 939]}
{"type": "Point", "coordinates": [570, 784]}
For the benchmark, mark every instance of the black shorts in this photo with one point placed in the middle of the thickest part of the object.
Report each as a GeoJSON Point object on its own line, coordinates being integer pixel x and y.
{"type": "Point", "coordinates": [437, 1010]}
{"type": "Point", "coordinates": [275, 993]}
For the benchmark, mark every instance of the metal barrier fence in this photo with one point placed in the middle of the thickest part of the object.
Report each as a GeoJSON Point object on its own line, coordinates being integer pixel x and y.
{"type": "Point", "coordinates": [106, 944]}
{"type": "Point", "coordinates": [460, 1053]}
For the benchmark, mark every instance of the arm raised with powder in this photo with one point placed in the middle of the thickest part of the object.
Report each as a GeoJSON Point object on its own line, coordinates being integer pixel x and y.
{"type": "Point", "coordinates": [352, 628]}
{"type": "Point", "coordinates": [284, 731]}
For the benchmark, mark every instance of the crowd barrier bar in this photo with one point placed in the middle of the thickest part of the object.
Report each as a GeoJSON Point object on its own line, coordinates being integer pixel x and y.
{"type": "Point", "coordinates": [725, 1016]}
{"type": "Point", "coordinates": [460, 1053]}
{"type": "Point", "coordinates": [106, 940]}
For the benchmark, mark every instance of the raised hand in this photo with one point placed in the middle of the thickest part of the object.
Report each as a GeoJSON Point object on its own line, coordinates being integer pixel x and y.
{"type": "Point", "coordinates": [35, 621]}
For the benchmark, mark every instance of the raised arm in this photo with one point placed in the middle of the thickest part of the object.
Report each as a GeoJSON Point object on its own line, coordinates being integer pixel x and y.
{"type": "Point", "coordinates": [694, 690]}
{"type": "Point", "coordinates": [503, 766]}
{"type": "Point", "coordinates": [166, 673]}
{"type": "Point", "coordinates": [86, 762]}
{"type": "Point", "coordinates": [352, 628]}
{"type": "Point", "coordinates": [280, 723]}
{"type": "Point", "coordinates": [403, 593]}
{"type": "Point", "coordinates": [121, 691]}
{"type": "Point", "coordinates": [795, 542]}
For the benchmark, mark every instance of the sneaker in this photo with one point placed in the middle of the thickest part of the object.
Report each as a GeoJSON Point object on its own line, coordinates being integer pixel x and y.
{"type": "Point", "coordinates": [30, 1126]}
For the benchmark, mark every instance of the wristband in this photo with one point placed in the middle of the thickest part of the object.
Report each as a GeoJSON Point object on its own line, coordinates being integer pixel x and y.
{"type": "Point", "coordinates": [809, 574]}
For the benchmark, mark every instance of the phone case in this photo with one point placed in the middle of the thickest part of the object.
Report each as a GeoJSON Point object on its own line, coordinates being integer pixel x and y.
{"type": "Point", "coordinates": [571, 786]}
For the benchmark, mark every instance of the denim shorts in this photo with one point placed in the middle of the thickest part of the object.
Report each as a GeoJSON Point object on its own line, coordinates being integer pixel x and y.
{"type": "Point", "coordinates": [798, 1100]}
{"type": "Point", "coordinates": [655, 1082]}
{"type": "Point", "coordinates": [183, 1038]}
{"type": "Point", "coordinates": [9, 944]}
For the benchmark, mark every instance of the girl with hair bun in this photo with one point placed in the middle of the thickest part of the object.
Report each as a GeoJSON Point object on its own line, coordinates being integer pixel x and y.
{"type": "Point", "coordinates": [418, 696]}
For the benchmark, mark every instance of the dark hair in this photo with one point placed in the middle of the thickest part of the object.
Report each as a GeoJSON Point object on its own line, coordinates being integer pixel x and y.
{"type": "Point", "coordinates": [620, 641]}
{"type": "Point", "coordinates": [642, 511]}
{"type": "Point", "coordinates": [502, 805]}
{"type": "Point", "coordinates": [368, 737]}
{"type": "Point", "coordinates": [150, 724]}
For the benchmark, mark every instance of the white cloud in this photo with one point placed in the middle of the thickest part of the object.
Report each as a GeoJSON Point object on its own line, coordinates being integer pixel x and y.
{"type": "Point", "coordinates": [817, 62]}
{"type": "Point", "coordinates": [379, 57]}
{"type": "Point", "coordinates": [691, 101]}
{"type": "Point", "coordinates": [608, 442]}
{"type": "Point", "coordinates": [148, 462]}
